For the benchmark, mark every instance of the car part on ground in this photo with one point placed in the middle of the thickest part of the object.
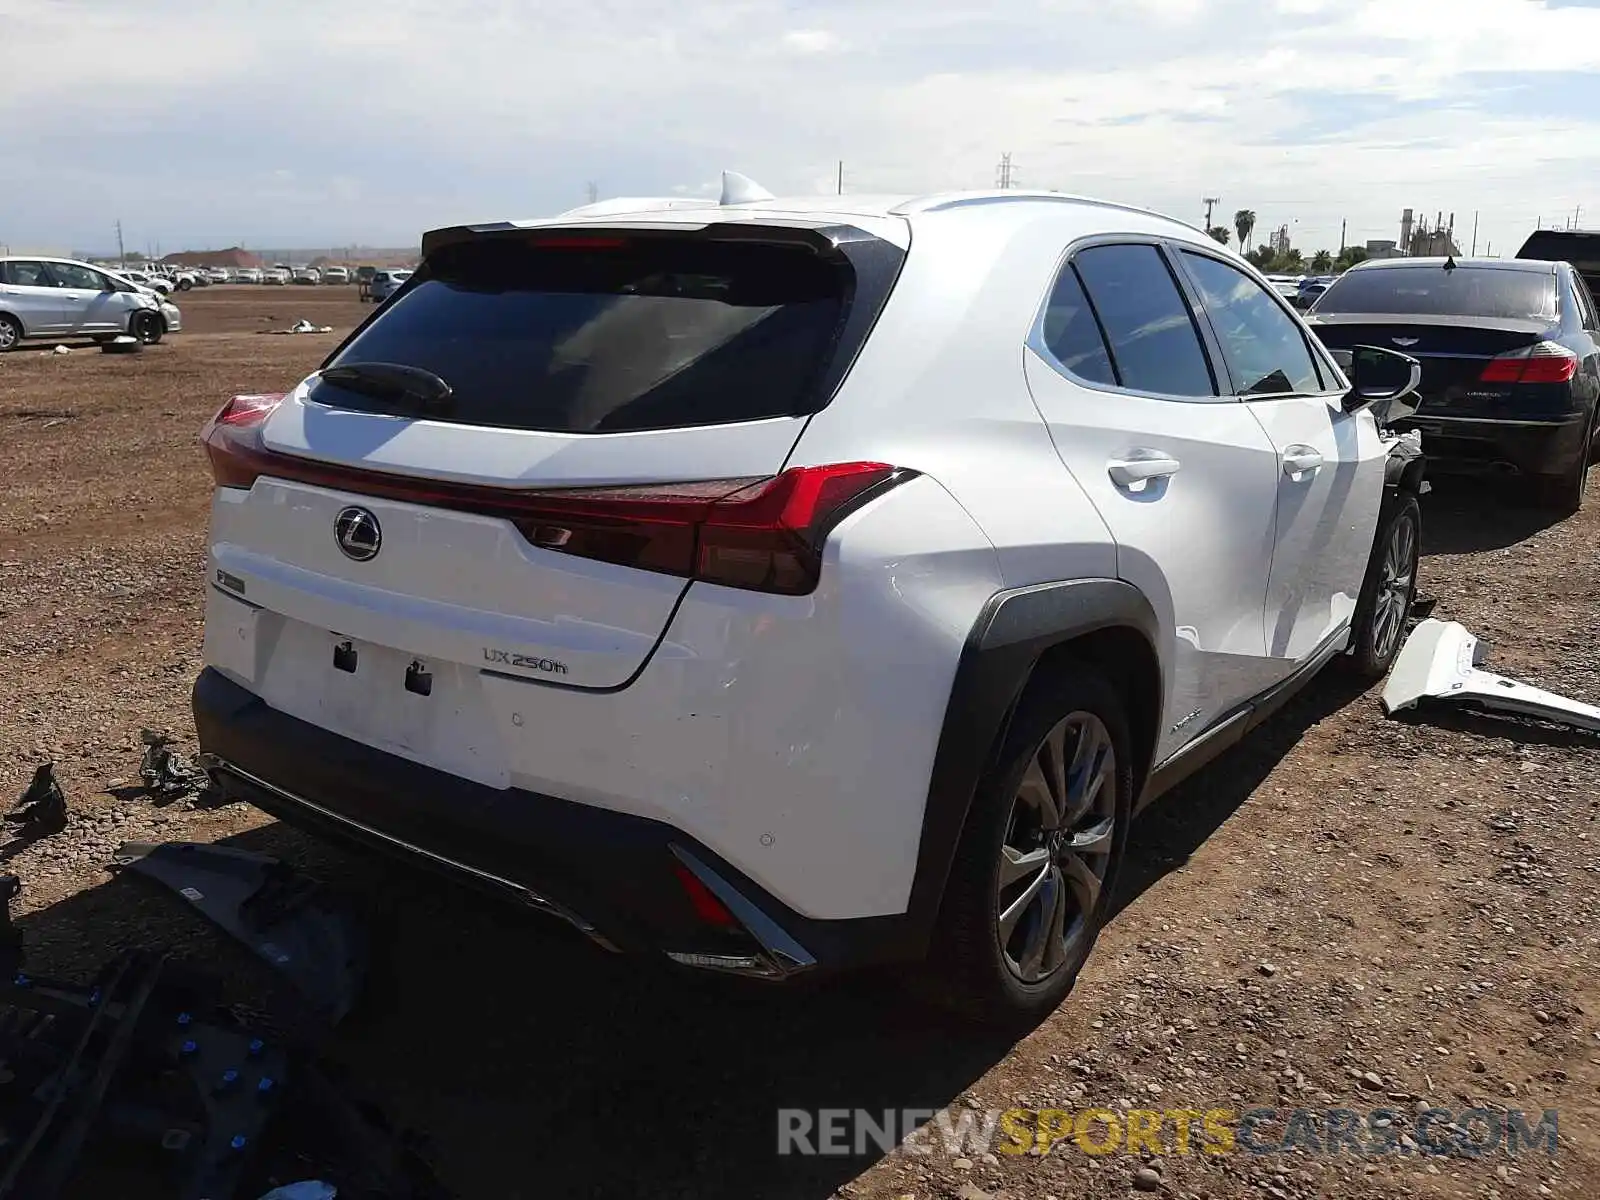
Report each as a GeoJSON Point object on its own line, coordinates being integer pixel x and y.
{"type": "Point", "coordinates": [135, 1083]}
{"type": "Point", "coordinates": [1439, 664]}
{"type": "Point", "coordinates": [42, 809]}
{"type": "Point", "coordinates": [287, 919]}
{"type": "Point", "coordinates": [121, 345]}
{"type": "Point", "coordinates": [165, 773]}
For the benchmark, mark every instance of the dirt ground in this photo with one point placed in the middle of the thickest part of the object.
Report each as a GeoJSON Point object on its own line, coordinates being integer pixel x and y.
{"type": "Point", "coordinates": [1345, 912]}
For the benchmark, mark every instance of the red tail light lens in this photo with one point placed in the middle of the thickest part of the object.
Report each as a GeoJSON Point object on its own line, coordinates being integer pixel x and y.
{"type": "Point", "coordinates": [705, 903]}
{"type": "Point", "coordinates": [760, 534]}
{"type": "Point", "coordinates": [232, 439]}
{"type": "Point", "coordinates": [1546, 362]}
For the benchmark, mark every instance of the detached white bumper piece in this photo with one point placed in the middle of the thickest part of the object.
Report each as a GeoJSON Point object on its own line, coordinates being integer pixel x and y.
{"type": "Point", "coordinates": [1439, 663]}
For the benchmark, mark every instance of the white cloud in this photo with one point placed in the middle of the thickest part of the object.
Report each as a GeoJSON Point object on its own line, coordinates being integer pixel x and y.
{"type": "Point", "coordinates": [811, 41]}
{"type": "Point", "coordinates": [394, 116]}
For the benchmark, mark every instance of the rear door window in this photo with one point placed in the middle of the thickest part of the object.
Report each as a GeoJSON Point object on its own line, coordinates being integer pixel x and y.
{"type": "Point", "coordinates": [610, 335]}
{"type": "Point", "coordinates": [1147, 321]}
{"type": "Point", "coordinates": [1509, 292]}
{"type": "Point", "coordinates": [1072, 334]}
{"type": "Point", "coordinates": [23, 273]}
{"type": "Point", "coordinates": [1264, 345]}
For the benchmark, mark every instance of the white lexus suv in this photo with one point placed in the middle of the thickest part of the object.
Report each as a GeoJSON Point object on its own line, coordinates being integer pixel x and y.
{"type": "Point", "coordinates": [782, 586]}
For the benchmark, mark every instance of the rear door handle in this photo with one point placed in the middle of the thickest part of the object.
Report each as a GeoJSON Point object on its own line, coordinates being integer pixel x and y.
{"type": "Point", "coordinates": [1298, 460]}
{"type": "Point", "coordinates": [1140, 466]}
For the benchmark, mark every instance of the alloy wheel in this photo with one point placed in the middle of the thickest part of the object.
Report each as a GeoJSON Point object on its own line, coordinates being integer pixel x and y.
{"type": "Point", "coordinates": [8, 336]}
{"type": "Point", "coordinates": [1393, 600]}
{"type": "Point", "coordinates": [1057, 848]}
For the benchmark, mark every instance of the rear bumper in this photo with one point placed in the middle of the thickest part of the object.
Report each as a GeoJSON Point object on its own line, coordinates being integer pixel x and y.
{"type": "Point", "coordinates": [1486, 446]}
{"type": "Point", "coordinates": [615, 876]}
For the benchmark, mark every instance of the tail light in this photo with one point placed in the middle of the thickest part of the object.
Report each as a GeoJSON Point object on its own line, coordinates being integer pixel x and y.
{"type": "Point", "coordinates": [1545, 362]}
{"type": "Point", "coordinates": [761, 534]}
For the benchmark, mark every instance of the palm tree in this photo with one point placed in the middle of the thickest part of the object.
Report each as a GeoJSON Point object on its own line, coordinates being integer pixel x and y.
{"type": "Point", "coordinates": [1219, 233]}
{"type": "Point", "coordinates": [1322, 262]}
{"type": "Point", "coordinates": [1244, 223]}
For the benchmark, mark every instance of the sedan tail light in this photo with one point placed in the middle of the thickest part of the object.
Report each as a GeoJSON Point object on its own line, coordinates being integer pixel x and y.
{"type": "Point", "coordinates": [762, 533]}
{"type": "Point", "coordinates": [1544, 362]}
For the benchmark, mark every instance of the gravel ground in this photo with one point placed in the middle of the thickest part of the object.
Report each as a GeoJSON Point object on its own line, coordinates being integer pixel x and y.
{"type": "Point", "coordinates": [1345, 912]}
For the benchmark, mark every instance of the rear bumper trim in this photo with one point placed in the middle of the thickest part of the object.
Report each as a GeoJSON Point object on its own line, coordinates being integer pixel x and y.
{"type": "Point", "coordinates": [220, 770]}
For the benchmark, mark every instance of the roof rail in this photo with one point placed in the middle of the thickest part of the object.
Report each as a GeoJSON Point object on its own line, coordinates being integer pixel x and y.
{"type": "Point", "coordinates": [941, 201]}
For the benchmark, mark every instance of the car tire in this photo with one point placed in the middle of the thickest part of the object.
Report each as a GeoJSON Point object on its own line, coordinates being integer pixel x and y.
{"type": "Point", "coordinates": [1034, 872]}
{"type": "Point", "coordinates": [148, 327]}
{"type": "Point", "coordinates": [1389, 589]}
{"type": "Point", "coordinates": [10, 333]}
{"type": "Point", "coordinates": [1564, 493]}
{"type": "Point", "coordinates": [185, 284]}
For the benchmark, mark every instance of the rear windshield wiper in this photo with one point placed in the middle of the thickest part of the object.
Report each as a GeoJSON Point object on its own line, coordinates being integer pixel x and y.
{"type": "Point", "coordinates": [396, 383]}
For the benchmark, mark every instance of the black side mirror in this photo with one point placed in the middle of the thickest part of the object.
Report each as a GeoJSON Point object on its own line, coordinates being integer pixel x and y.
{"type": "Point", "coordinates": [1377, 376]}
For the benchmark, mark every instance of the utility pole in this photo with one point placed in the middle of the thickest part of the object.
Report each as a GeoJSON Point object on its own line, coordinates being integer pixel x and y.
{"type": "Point", "coordinates": [1474, 233]}
{"type": "Point", "coordinates": [592, 191]}
{"type": "Point", "coordinates": [1209, 202]}
{"type": "Point", "coordinates": [841, 177]}
{"type": "Point", "coordinates": [122, 255]}
{"type": "Point", "coordinates": [1002, 175]}
{"type": "Point", "coordinates": [1343, 223]}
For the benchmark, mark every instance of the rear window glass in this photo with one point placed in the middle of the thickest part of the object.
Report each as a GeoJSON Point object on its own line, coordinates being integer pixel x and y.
{"type": "Point", "coordinates": [1433, 291]}
{"type": "Point", "coordinates": [612, 335]}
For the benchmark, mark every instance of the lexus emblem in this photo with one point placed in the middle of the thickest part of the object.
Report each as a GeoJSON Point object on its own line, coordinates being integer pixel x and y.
{"type": "Point", "coordinates": [357, 532]}
{"type": "Point", "coordinates": [1404, 341]}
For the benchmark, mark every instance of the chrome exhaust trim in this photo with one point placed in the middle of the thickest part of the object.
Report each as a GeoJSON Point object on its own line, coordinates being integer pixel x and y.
{"type": "Point", "coordinates": [780, 956]}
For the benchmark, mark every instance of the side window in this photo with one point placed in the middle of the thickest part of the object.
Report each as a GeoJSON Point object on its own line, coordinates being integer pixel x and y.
{"type": "Point", "coordinates": [1072, 334]}
{"type": "Point", "coordinates": [70, 275]}
{"type": "Point", "coordinates": [1154, 344]}
{"type": "Point", "coordinates": [1586, 312]}
{"type": "Point", "coordinates": [1265, 346]}
{"type": "Point", "coordinates": [18, 273]}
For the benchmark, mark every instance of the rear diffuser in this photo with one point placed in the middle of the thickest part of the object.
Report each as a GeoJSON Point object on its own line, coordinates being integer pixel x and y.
{"type": "Point", "coordinates": [1439, 663]}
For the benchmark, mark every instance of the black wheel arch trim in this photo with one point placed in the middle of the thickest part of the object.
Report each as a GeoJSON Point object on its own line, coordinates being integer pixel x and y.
{"type": "Point", "coordinates": [1012, 632]}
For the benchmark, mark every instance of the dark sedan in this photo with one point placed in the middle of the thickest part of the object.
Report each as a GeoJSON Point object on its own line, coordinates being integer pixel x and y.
{"type": "Point", "coordinates": [1510, 360]}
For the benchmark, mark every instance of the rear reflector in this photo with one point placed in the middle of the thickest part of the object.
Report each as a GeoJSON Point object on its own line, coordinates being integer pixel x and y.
{"type": "Point", "coordinates": [760, 534]}
{"type": "Point", "coordinates": [1545, 362]}
{"type": "Point", "coordinates": [706, 905]}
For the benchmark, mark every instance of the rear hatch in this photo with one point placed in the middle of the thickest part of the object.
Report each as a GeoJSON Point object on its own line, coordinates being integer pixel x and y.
{"type": "Point", "coordinates": [1465, 326]}
{"type": "Point", "coordinates": [502, 469]}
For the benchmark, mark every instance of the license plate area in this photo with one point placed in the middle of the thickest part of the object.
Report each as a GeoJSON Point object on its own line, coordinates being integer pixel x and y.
{"type": "Point", "coordinates": [431, 711]}
{"type": "Point", "coordinates": [383, 696]}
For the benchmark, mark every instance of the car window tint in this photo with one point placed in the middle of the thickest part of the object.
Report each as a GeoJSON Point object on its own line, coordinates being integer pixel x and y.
{"type": "Point", "coordinates": [70, 275]}
{"type": "Point", "coordinates": [649, 333]}
{"type": "Point", "coordinates": [20, 273]}
{"type": "Point", "coordinates": [1147, 321]}
{"type": "Point", "coordinates": [1263, 344]}
{"type": "Point", "coordinates": [1585, 301]}
{"type": "Point", "coordinates": [1072, 334]}
{"type": "Point", "coordinates": [1470, 291]}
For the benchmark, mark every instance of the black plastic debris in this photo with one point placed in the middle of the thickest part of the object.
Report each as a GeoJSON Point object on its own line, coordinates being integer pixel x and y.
{"type": "Point", "coordinates": [286, 918]}
{"type": "Point", "coordinates": [164, 772]}
{"type": "Point", "coordinates": [135, 1084]}
{"type": "Point", "coordinates": [42, 809]}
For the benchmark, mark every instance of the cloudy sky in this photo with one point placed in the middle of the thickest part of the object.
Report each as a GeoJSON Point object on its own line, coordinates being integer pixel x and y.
{"type": "Point", "coordinates": [313, 123]}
